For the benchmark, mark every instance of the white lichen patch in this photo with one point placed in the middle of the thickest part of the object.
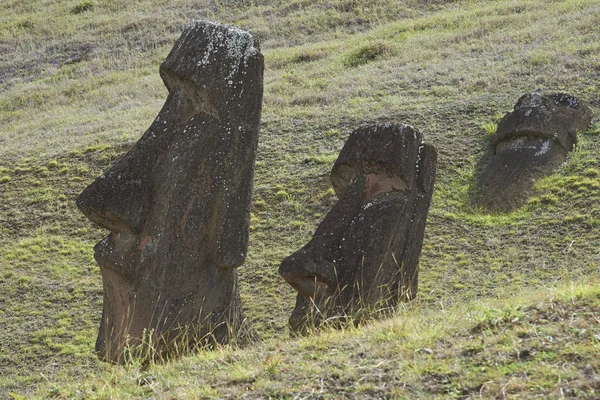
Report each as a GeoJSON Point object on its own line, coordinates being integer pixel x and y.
{"type": "Point", "coordinates": [226, 44]}
{"type": "Point", "coordinates": [536, 99]}
{"type": "Point", "coordinates": [530, 100]}
{"type": "Point", "coordinates": [418, 161]}
{"type": "Point", "coordinates": [566, 100]}
{"type": "Point", "coordinates": [517, 143]}
{"type": "Point", "coordinates": [544, 148]}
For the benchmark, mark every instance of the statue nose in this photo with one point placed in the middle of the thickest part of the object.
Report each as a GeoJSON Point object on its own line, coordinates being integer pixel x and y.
{"type": "Point", "coordinates": [118, 200]}
{"type": "Point", "coordinates": [311, 276]}
{"type": "Point", "coordinates": [312, 270]}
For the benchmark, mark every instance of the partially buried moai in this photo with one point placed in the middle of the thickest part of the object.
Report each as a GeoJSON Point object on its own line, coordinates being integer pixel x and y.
{"type": "Point", "coordinates": [177, 204]}
{"type": "Point", "coordinates": [529, 143]}
{"type": "Point", "coordinates": [364, 255]}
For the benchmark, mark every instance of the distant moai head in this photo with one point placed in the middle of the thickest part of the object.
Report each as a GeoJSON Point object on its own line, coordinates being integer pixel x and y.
{"type": "Point", "coordinates": [530, 142]}
{"type": "Point", "coordinates": [364, 254]}
{"type": "Point", "coordinates": [177, 204]}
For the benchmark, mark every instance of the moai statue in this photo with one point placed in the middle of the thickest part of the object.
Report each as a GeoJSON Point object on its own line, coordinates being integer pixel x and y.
{"type": "Point", "coordinates": [177, 204]}
{"type": "Point", "coordinates": [364, 255]}
{"type": "Point", "coordinates": [530, 142]}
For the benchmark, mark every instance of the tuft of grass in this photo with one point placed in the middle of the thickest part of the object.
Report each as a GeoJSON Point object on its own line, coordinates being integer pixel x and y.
{"type": "Point", "coordinates": [310, 55]}
{"type": "Point", "coordinates": [325, 159]}
{"type": "Point", "coordinates": [83, 6]}
{"type": "Point", "coordinates": [538, 59]}
{"type": "Point", "coordinates": [489, 128]}
{"type": "Point", "coordinates": [594, 129]}
{"type": "Point", "coordinates": [366, 53]}
{"type": "Point", "coordinates": [332, 133]}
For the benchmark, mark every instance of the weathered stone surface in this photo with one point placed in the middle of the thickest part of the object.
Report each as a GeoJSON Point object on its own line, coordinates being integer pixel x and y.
{"type": "Point", "coordinates": [364, 255]}
{"type": "Point", "coordinates": [530, 142]}
{"type": "Point", "coordinates": [177, 204]}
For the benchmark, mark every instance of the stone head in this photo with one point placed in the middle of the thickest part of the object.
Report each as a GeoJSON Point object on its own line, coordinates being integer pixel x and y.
{"type": "Point", "coordinates": [364, 254]}
{"type": "Point", "coordinates": [529, 143]}
{"type": "Point", "coordinates": [177, 204]}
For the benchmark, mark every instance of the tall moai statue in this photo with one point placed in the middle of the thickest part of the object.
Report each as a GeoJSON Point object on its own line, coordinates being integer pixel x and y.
{"type": "Point", "coordinates": [364, 255]}
{"type": "Point", "coordinates": [530, 143]}
{"type": "Point", "coordinates": [177, 204]}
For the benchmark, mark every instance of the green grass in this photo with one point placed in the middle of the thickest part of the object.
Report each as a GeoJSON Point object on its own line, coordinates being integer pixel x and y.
{"type": "Point", "coordinates": [81, 85]}
{"type": "Point", "coordinates": [541, 344]}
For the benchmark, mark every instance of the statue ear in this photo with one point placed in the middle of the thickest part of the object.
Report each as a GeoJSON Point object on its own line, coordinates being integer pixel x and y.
{"type": "Point", "coordinates": [427, 164]}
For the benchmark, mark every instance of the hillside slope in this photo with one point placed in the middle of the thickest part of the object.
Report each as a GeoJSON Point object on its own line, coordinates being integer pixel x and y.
{"type": "Point", "coordinates": [541, 345]}
{"type": "Point", "coordinates": [80, 84]}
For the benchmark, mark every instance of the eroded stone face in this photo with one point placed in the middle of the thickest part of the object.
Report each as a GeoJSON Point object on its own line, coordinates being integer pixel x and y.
{"type": "Point", "coordinates": [530, 142]}
{"type": "Point", "coordinates": [177, 205]}
{"type": "Point", "coordinates": [364, 254]}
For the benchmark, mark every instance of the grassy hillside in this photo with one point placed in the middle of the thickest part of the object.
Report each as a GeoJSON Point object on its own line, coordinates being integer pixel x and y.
{"type": "Point", "coordinates": [79, 83]}
{"type": "Point", "coordinates": [536, 346]}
